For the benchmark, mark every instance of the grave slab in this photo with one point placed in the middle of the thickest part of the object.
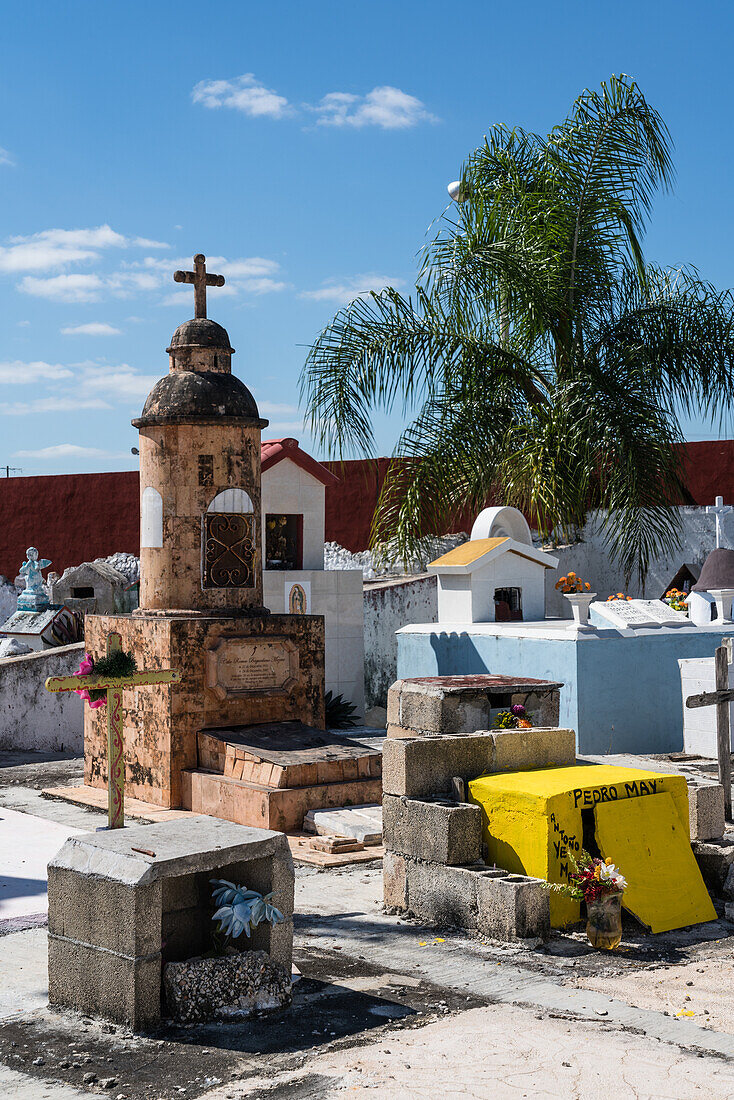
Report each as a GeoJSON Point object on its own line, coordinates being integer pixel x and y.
{"type": "Point", "coordinates": [649, 843]}
{"type": "Point", "coordinates": [363, 823]}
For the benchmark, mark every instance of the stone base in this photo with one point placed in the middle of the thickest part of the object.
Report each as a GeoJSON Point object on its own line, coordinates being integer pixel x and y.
{"type": "Point", "coordinates": [228, 988]}
{"type": "Point", "coordinates": [282, 808]}
{"type": "Point", "coordinates": [160, 723]}
{"type": "Point", "coordinates": [476, 898]}
{"type": "Point", "coordinates": [123, 903]}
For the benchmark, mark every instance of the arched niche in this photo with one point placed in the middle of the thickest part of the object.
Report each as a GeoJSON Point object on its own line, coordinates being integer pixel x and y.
{"type": "Point", "coordinates": [151, 519]}
{"type": "Point", "coordinates": [501, 522]}
{"type": "Point", "coordinates": [232, 500]}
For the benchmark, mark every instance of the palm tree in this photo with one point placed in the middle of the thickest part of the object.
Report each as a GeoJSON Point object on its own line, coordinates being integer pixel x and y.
{"type": "Point", "coordinates": [543, 362]}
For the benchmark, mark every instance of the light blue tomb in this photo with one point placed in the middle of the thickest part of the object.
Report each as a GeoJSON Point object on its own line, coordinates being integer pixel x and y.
{"type": "Point", "coordinates": [622, 688]}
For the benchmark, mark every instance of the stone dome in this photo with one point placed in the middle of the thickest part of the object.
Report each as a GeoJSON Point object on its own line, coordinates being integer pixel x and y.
{"type": "Point", "coordinates": [717, 571]}
{"type": "Point", "coordinates": [186, 396]}
{"type": "Point", "coordinates": [200, 332]}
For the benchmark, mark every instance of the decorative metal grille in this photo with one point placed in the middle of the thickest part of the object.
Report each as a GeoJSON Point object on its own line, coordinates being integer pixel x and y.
{"type": "Point", "coordinates": [229, 550]}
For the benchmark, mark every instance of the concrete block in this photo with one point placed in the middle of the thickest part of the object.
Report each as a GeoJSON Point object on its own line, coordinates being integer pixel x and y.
{"type": "Point", "coordinates": [104, 913]}
{"type": "Point", "coordinates": [103, 983]}
{"type": "Point", "coordinates": [394, 881]}
{"type": "Point", "coordinates": [714, 859]}
{"type": "Point", "coordinates": [512, 906]}
{"type": "Point", "coordinates": [116, 898]}
{"type": "Point", "coordinates": [706, 811]}
{"type": "Point", "coordinates": [424, 767]}
{"type": "Point", "coordinates": [522, 750]}
{"type": "Point", "coordinates": [442, 895]}
{"type": "Point", "coordinates": [442, 832]}
{"type": "Point", "coordinates": [462, 704]}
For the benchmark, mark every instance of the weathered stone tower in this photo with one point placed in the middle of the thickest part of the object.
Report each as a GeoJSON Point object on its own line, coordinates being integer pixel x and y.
{"type": "Point", "coordinates": [201, 605]}
{"type": "Point", "coordinates": [200, 481]}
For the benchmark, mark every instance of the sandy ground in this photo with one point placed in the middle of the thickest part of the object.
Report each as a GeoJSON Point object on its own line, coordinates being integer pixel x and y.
{"type": "Point", "coordinates": [502, 1053]}
{"type": "Point", "coordinates": [386, 1007]}
{"type": "Point", "coordinates": [702, 990]}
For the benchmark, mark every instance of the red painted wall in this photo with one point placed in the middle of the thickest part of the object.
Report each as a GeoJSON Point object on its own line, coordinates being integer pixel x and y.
{"type": "Point", "coordinates": [70, 518]}
{"type": "Point", "coordinates": [78, 517]}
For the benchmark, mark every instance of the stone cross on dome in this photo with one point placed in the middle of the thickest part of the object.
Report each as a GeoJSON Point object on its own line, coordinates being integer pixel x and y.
{"type": "Point", "coordinates": [201, 280]}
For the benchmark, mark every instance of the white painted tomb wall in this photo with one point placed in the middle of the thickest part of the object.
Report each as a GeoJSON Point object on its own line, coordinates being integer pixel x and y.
{"type": "Point", "coordinates": [289, 490]}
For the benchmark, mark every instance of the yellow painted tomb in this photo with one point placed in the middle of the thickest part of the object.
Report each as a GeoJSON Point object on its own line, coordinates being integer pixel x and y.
{"type": "Point", "coordinates": [531, 820]}
{"type": "Point", "coordinates": [664, 888]}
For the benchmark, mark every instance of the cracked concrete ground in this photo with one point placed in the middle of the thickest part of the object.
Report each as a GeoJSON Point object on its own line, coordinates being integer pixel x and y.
{"type": "Point", "coordinates": [390, 1008]}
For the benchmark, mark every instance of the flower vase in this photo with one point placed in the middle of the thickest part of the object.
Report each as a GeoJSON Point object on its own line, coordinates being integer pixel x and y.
{"type": "Point", "coordinates": [580, 605]}
{"type": "Point", "coordinates": [604, 921]}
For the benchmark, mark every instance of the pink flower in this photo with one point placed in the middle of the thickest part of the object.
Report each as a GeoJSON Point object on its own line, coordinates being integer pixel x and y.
{"type": "Point", "coordinates": [86, 666]}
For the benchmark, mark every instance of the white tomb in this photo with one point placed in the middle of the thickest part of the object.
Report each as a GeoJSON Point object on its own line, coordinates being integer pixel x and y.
{"type": "Point", "coordinates": [294, 579]}
{"type": "Point", "coordinates": [698, 675]}
{"type": "Point", "coordinates": [497, 576]}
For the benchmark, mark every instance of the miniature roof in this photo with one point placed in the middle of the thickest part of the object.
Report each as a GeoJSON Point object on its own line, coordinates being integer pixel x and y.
{"type": "Point", "coordinates": [477, 553]}
{"type": "Point", "coordinates": [102, 568]}
{"type": "Point", "coordinates": [717, 571]}
{"type": "Point", "coordinates": [273, 451]}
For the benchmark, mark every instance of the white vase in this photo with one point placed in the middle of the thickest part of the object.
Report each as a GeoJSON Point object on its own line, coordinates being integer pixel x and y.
{"type": "Point", "coordinates": [580, 606]}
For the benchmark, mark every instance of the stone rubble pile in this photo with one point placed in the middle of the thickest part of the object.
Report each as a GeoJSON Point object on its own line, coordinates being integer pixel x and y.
{"type": "Point", "coordinates": [127, 564]}
{"type": "Point", "coordinates": [376, 564]}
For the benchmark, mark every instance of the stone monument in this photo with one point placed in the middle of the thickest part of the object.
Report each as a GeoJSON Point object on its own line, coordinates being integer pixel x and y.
{"type": "Point", "coordinates": [201, 589]}
{"type": "Point", "coordinates": [242, 735]}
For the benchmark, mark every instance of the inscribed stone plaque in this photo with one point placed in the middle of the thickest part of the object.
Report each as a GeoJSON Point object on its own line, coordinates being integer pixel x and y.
{"type": "Point", "coordinates": [251, 666]}
{"type": "Point", "coordinates": [632, 613]}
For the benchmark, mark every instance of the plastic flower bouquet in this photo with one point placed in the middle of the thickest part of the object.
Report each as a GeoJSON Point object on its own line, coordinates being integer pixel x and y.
{"type": "Point", "coordinates": [117, 663]}
{"type": "Point", "coordinates": [676, 599]}
{"type": "Point", "coordinates": [516, 717]}
{"type": "Point", "coordinates": [572, 584]}
{"type": "Point", "coordinates": [590, 879]}
{"type": "Point", "coordinates": [618, 596]}
{"type": "Point", "coordinates": [240, 909]}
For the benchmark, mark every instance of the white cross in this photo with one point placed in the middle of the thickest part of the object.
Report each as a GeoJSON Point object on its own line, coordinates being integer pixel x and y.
{"type": "Point", "coordinates": [719, 509]}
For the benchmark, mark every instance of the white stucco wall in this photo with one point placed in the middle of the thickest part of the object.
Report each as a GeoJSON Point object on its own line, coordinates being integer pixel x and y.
{"type": "Point", "coordinates": [287, 489]}
{"type": "Point", "coordinates": [337, 595]}
{"type": "Point", "coordinates": [590, 559]}
{"type": "Point", "coordinates": [388, 606]}
{"type": "Point", "coordinates": [31, 718]}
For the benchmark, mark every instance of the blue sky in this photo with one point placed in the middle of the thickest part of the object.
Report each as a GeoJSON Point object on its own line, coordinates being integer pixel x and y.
{"type": "Point", "coordinates": [305, 148]}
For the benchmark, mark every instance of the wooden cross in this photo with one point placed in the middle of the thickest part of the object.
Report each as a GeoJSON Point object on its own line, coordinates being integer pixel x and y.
{"type": "Point", "coordinates": [114, 686]}
{"type": "Point", "coordinates": [201, 281]}
{"type": "Point", "coordinates": [720, 699]}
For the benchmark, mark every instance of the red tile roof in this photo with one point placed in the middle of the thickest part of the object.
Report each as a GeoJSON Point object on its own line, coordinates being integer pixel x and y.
{"type": "Point", "coordinates": [273, 451]}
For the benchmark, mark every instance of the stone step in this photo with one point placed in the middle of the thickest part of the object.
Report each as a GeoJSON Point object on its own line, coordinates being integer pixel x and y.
{"type": "Point", "coordinates": [264, 807]}
{"type": "Point", "coordinates": [286, 755]}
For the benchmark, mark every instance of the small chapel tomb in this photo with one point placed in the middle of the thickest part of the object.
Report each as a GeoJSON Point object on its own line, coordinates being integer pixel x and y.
{"type": "Point", "coordinates": [295, 582]}
{"type": "Point", "coordinates": [497, 576]}
{"type": "Point", "coordinates": [94, 587]}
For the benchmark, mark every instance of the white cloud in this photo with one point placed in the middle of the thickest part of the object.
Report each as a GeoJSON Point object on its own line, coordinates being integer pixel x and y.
{"type": "Point", "coordinates": [65, 450]}
{"type": "Point", "coordinates": [5, 158]}
{"type": "Point", "coordinates": [18, 373]}
{"type": "Point", "coordinates": [121, 382]}
{"type": "Point", "coordinates": [63, 288]}
{"type": "Point", "coordinates": [354, 286]}
{"type": "Point", "coordinates": [92, 328]}
{"type": "Point", "coordinates": [386, 107]}
{"type": "Point", "coordinates": [51, 405]}
{"type": "Point", "coordinates": [243, 93]}
{"type": "Point", "coordinates": [56, 248]}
